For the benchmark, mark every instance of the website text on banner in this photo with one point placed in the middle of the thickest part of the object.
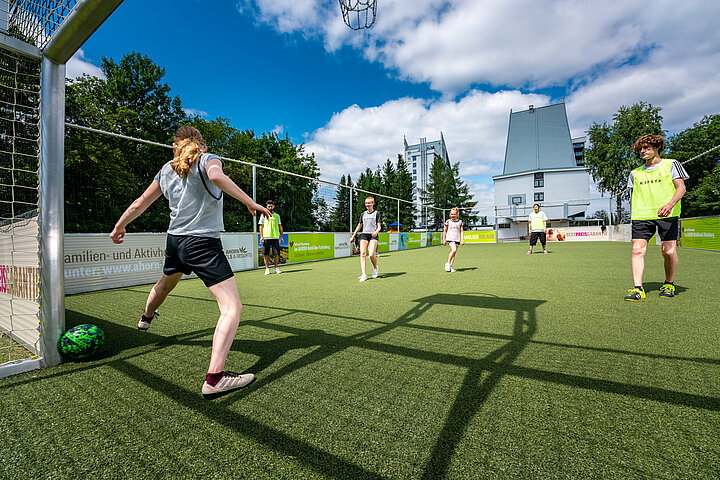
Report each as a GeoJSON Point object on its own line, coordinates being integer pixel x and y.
{"type": "Point", "coordinates": [700, 233]}
{"type": "Point", "coordinates": [93, 262]}
{"type": "Point", "coordinates": [311, 246]}
{"type": "Point", "coordinates": [486, 236]}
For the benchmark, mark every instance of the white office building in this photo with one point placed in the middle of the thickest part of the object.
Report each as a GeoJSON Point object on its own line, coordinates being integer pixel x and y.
{"type": "Point", "coordinates": [419, 158]}
{"type": "Point", "coordinates": [542, 165]}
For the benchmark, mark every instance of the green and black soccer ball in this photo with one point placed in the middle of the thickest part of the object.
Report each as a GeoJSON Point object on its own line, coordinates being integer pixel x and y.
{"type": "Point", "coordinates": [81, 342]}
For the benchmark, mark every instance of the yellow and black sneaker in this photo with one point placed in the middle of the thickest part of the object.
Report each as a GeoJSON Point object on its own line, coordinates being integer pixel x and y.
{"type": "Point", "coordinates": [667, 290]}
{"type": "Point", "coordinates": [635, 294]}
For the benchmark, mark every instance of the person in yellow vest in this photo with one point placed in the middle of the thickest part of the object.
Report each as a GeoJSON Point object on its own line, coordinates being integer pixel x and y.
{"type": "Point", "coordinates": [536, 224]}
{"type": "Point", "coordinates": [657, 187]}
{"type": "Point", "coordinates": [270, 235]}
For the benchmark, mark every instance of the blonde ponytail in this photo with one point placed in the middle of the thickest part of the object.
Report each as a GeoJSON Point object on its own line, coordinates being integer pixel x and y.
{"type": "Point", "coordinates": [189, 144]}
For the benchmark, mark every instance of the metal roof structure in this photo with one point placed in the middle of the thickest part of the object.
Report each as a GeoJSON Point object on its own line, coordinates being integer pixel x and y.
{"type": "Point", "coordinates": [538, 139]}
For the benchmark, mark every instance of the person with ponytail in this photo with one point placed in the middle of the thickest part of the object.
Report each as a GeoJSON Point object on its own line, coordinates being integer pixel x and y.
{"type": "Point", "coordinates": [194, 182]}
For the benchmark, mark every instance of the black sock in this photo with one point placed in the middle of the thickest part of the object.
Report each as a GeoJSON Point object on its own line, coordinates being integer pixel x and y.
{"type": "Point", "coordinates": [148, 319]}
{"type": "Point", "coordinates": [640, 288]}
{"type": "Point", "coordinates": [669, 283]}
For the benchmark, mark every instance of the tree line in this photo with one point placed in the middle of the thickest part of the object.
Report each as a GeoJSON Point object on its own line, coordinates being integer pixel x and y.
{"type": "Point", "coordinates": [610, 157]}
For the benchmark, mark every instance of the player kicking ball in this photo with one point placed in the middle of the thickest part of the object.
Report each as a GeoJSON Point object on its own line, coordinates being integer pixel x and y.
{"type": "Point", "coordinates": [657, 187]}
{"type": "Point", "coordinates": [370, 224]}
{"type": "Point", "coordinates": [453, 234]}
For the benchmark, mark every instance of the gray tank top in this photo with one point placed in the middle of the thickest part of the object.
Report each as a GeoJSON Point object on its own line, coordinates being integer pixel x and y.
{"type": "Point", "coordinates": [196, 204]}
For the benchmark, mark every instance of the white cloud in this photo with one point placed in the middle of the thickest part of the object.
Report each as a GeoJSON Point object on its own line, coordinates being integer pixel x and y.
{"type": "Point", "coordinates": [78, 65]}
{"type": "Point", "coordinates": [278, 130]}
{"type": "Point", "coordinates": [609, 53]}
{"type": "Point", "coordinates": [191, 112]}
{"type": "Point", "coordinates": [474, 127]}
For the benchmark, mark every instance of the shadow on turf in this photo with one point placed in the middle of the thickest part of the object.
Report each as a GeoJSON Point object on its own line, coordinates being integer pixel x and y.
{"type": "Point", "coordinates": [482, 376]}
{"type": "Point", "coordinates": [655, 287]}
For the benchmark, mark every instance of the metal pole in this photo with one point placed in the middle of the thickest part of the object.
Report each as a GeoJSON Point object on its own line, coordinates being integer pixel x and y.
{"type": "Point", "coordinates": [254, 196]}
{"type": "Point", "coordinates": [52, 210]}
{"type": "Point", "coordinates": [351, 202]}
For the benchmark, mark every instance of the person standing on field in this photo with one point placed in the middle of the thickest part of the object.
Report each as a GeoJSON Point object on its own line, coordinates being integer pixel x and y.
{"type": "Point", "coordinates": [657, 187]}
{"type": "Point", "coordinates": [536, 224]}
{"type": "Point", "coordinates": [270, 235]}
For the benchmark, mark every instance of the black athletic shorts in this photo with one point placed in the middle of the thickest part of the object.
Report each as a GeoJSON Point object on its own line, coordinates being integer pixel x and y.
{"type": "Point", "coordinates": [534, 238]}
{"type": "Point", "coordinates": [271, 244]}
{"type": "Point", "coordinates": [368, 236]}
{"type": "Point", "coordinates": [667, 229]}
{"type": "Point", "coordinates": [453, 241]}
{"type": "Point", "coordinates": [202, 255]}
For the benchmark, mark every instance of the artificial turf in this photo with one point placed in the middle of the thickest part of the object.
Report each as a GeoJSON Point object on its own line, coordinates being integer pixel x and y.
{"type": "Point", "coordinates": [515, 366]}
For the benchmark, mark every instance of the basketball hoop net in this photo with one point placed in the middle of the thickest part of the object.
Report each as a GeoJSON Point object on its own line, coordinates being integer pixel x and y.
{"type": "Point", "coordinates": [358, 14]}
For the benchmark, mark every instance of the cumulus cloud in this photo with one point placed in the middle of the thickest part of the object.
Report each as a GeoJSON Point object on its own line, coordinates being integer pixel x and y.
{"type": "Point", "coordinates": [474, 127]}
{"type": "Point", "coordinates": [598, 55]}
{"type": "Point", "coordinates": [79, 65]}
{"type": "Point", "coordinates": [192, 112]}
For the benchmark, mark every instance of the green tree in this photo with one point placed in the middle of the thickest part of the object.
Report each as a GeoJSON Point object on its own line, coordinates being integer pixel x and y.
{"type": "Point", "coordinates": [104, 174]}
{"type": "Point", "coordinates": [683, 146]}
{"type": "Point", "coordinates": [439, 192]}
{"type": "Point", "coordinates": [704, 199]}
{"type": "Point", "coordinates": [610, 157]}
{"type": "Point", "coordinates": [340, 217]}
{"type": "Point", "coordinates": [403, 189]}
{"type": "Point", "coordinates": [461, 197]}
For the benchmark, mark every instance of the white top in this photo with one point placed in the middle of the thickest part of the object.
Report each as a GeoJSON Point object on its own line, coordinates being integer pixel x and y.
{"type": "Point", "coordinates": [453, 230]}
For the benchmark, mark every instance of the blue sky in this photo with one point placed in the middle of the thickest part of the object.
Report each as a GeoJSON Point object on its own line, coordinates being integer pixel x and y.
{"type": "Point", "coordinates": [426, 66]}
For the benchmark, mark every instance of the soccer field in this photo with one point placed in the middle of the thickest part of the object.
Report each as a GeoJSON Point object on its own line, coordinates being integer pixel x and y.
{"type": "Point", "coordinates": [515, 366]}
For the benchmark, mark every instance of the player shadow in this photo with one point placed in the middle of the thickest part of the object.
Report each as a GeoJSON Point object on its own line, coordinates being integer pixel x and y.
{"type": "Point", "coordinates": [466, 269]}
{"type": "Point", "coordinates": [655, 287]}
{"type": "Point", "coordinates": [391, 274]}
{"type": "Point", "coordinates": [291, 271]}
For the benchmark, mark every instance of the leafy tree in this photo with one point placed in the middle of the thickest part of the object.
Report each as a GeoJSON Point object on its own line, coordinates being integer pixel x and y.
{"type": "Point", "coordinates": [704, 199]}
{"type": "Point", "coordinates": [610, 157]}
{"type": "Point", "coordinates": [340, 217]}
{"type": "Point", "coordinates": [439, 193]}
{"type": "Point", "coordinates": [402, 189]}
{"type": "Point", "coordinates": [693, 141]}
{"type": "Point", "coordinates": [104, 174]}
{"type": "Point", "coordinates": [462, 198]}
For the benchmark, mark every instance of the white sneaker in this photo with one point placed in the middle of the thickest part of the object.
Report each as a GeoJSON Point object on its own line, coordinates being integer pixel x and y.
{"type": "Point", "coordinates": [447, 267]}
{"type": "Point", "coordinates": [375, 272]}
{"type": "Point", "coordinates": [452, 270]}
{"type": "Point", "coordinates": [230, 381]}
{"type": "Point", "coordinates": [545, 251]}
{"type": "Point", "coordinates": [363, 277]}
{"type": "Point", "coordinates": [529, 252]}
{"type": "Point", "coordinates": [277, 270]}
{"type": "Point", "coordinates": [267, 271]}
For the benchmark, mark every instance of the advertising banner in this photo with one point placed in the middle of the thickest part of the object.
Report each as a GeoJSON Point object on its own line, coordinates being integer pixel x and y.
{"type": "Point", "coordinates": [484, 236]}
{"type": "Point", "coordinates": [239, 250]}
{"type": "Point", "coordinates": [93, 262]}
{"type": "Point", "coordinates": [393, 242]}
{"type": "Point", "coordinates": [414, 240]}
{"type": "Point", "coordinates": [403, 241]}
{"type": "Point", "coordinates": [555, 234]}
{"type": "Point", "coordinates": [585, 234]}
{"type": "Point", "coordinates": [700, 233]}
{"type": "Point", "coordinates": [383, 242]}
{"type": "Point", "coordinates": [424, 239]}
{"type": "Point", "coordinates": [284, 251]}
{"type": "Point", "coordinates": [342, 245]}
{"type": "Point", "coordinates": [434, 238]}
{"type": "Point", "coordinates": [311, 246]}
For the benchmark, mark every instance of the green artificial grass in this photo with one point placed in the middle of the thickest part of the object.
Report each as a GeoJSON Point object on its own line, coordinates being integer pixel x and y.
{"type": "Point", "coordinates": [515, 366]}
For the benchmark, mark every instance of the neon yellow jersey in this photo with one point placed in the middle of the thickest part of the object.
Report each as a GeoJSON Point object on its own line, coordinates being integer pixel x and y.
{"type": "Point", "coordinates": [271, 226]}
{"type": "Point", "coordinates": [651, 190]}
{"type": "Point", "coordinates": [537, 221]}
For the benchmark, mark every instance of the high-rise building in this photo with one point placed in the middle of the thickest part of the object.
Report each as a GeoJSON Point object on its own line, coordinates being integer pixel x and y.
{"type": "Point", "coordinates": [419, 158]}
